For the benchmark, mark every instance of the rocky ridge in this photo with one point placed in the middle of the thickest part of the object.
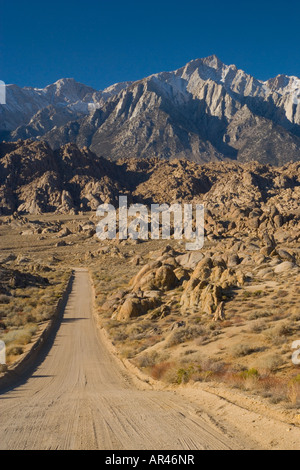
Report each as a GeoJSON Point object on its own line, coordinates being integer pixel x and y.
{"type": "Point", "coordinates": [36, 179]}
{"type": "Point", "coordinates": [205, 111]}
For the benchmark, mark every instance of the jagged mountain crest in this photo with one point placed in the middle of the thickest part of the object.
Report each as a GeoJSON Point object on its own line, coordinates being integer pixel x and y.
{"type": "Point", "coordinates": [204, 111]}
{"type": "Point", "coordinates": [69, 99]}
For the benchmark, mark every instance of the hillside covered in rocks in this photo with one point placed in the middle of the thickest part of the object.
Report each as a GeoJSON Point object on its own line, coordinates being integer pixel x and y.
{"type": "Point", "coordinates": [35, 179]}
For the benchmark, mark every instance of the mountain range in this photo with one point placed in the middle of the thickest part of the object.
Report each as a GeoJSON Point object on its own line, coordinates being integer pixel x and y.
{"type": "Point", "coordinates": [205, 111]}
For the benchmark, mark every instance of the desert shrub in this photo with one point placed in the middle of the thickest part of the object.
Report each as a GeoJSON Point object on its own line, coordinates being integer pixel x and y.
{"type": "Point", "coordinates": [270, 363]}
{"type": "Point", "coordinates": [296, 316]}
{"type": "Point", "coordinates": [118, 334]}
{"type": "Point", "coordinates": [19, 319]}
{"type": "Point", "coordinates": [258, 326]}
{"type": "Point", "coordinates": [14, 350]}
{"type": "Point", "coordinates": [279, 333]}
{"type": "Point", "coordinates": [159, 370]}
{"type": "Point", "coordinates": [248, 294]}
{"type": "Point", "coordinates": [216, 366]}
{"type": "Point", "coordinates": [240, 350]}
{"type": "Point", "coordinates": [273, 388]}
{"type": "Point", "coordinates": [127, 353]}
{"type": "Point", "coordinates": [18, 336]}
{"type": "Point", "coordinates": [21, 336]}
{"type": "Point", "coordinates": [4, 299]}
{"type": "Point", "coordinates": [260, 314]}
{"type": "Point", "coordinates": [181, 335]}
{"type": "Point", "coordinates": [15, 320]}
{"type": "Point", "coordinates": [147, 359]}
{"type": "Point", "coordinates": [285, 329]}
{"type": "Point", "coordinates": [42, 313]}
{"type": "Point", "coordinates": [170, 376]}
{"type": "Point", "coordinates": [293, 393]}
{"type": "Point", "coordinates": [233, 379]}
{"type": "Point", "coordinates": [296, 379]}
{"type": "Point", "coordinates": [202, 375]}
{"type": "Point", "coordinates": [31, 329]}
{"type": "Point", "coordinates": [249, 374]}
{"type": "Point", "coordinates": [184, 375]}
{"type": "Point", "coordinates": [137, 331]}
{"type": "Point", "coordinates": [282, 293]}
{"type": "Point", "coordinates": [190, 351]}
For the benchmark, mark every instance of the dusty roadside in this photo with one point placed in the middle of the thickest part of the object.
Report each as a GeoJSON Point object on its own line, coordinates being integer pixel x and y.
{"type": "Point", "coordinates": [80, 397]}
{"type": "Point", "coordinates": [232, 411]}
{"type": "Point", "coordinates": [226, 409]}
{"type": "Point", "coordinates": [16, 371]}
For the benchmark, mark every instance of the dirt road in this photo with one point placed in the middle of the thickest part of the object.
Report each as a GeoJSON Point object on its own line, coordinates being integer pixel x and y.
{"type": "Point", "coordinates": [80, 397]}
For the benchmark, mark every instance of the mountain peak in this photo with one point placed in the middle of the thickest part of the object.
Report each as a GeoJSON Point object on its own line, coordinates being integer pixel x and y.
{"type": "Point", "coordinates": [63, 83]}
{"type": "Point", "coordinates": [284, 85]}
{"type": "Point", "coordinates": [204, 111]}
{"type": "Point", "coordinates": [213, 61]}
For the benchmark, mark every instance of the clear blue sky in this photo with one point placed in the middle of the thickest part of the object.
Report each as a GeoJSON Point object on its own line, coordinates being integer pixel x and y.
{"type": "Point", "coordinates": [103, 42]}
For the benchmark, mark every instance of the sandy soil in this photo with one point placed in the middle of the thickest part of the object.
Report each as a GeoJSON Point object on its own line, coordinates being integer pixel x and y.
{"type": "Point", "coordinates": [80, 397]}
{"type": "Point", "coordinates": [246, 420]}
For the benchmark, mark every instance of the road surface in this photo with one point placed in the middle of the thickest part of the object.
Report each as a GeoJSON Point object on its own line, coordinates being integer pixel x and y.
{"type": "Point", "coordinates": [80, 397]}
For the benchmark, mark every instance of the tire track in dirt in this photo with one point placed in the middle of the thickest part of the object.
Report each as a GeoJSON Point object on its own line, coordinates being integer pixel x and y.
{"type": "Point", "coordinates": [80, 398]}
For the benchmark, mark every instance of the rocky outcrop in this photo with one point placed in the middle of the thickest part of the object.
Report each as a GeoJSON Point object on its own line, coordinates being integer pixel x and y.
{"type": "Point", "coordinates": [155, 276]}
{"type": "Point", "coordinates": [259, 198]}
{"type": "Point", "coordinates": [207, 286]}
{"type": "Point", "coordinates": [34, 179]}
{"type": "Point", "coordinates": [146, 291]}
{"type": "Point", "coordinates": [12, 278]}
{"type": "Point", "coordinates": [136, 306]}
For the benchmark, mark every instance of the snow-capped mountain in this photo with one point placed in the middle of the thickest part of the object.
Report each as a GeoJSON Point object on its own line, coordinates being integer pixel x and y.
{"type": "Point", "coordinates": [203, 111]}
{"type": "Point", "coordinates": [30, 112]}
